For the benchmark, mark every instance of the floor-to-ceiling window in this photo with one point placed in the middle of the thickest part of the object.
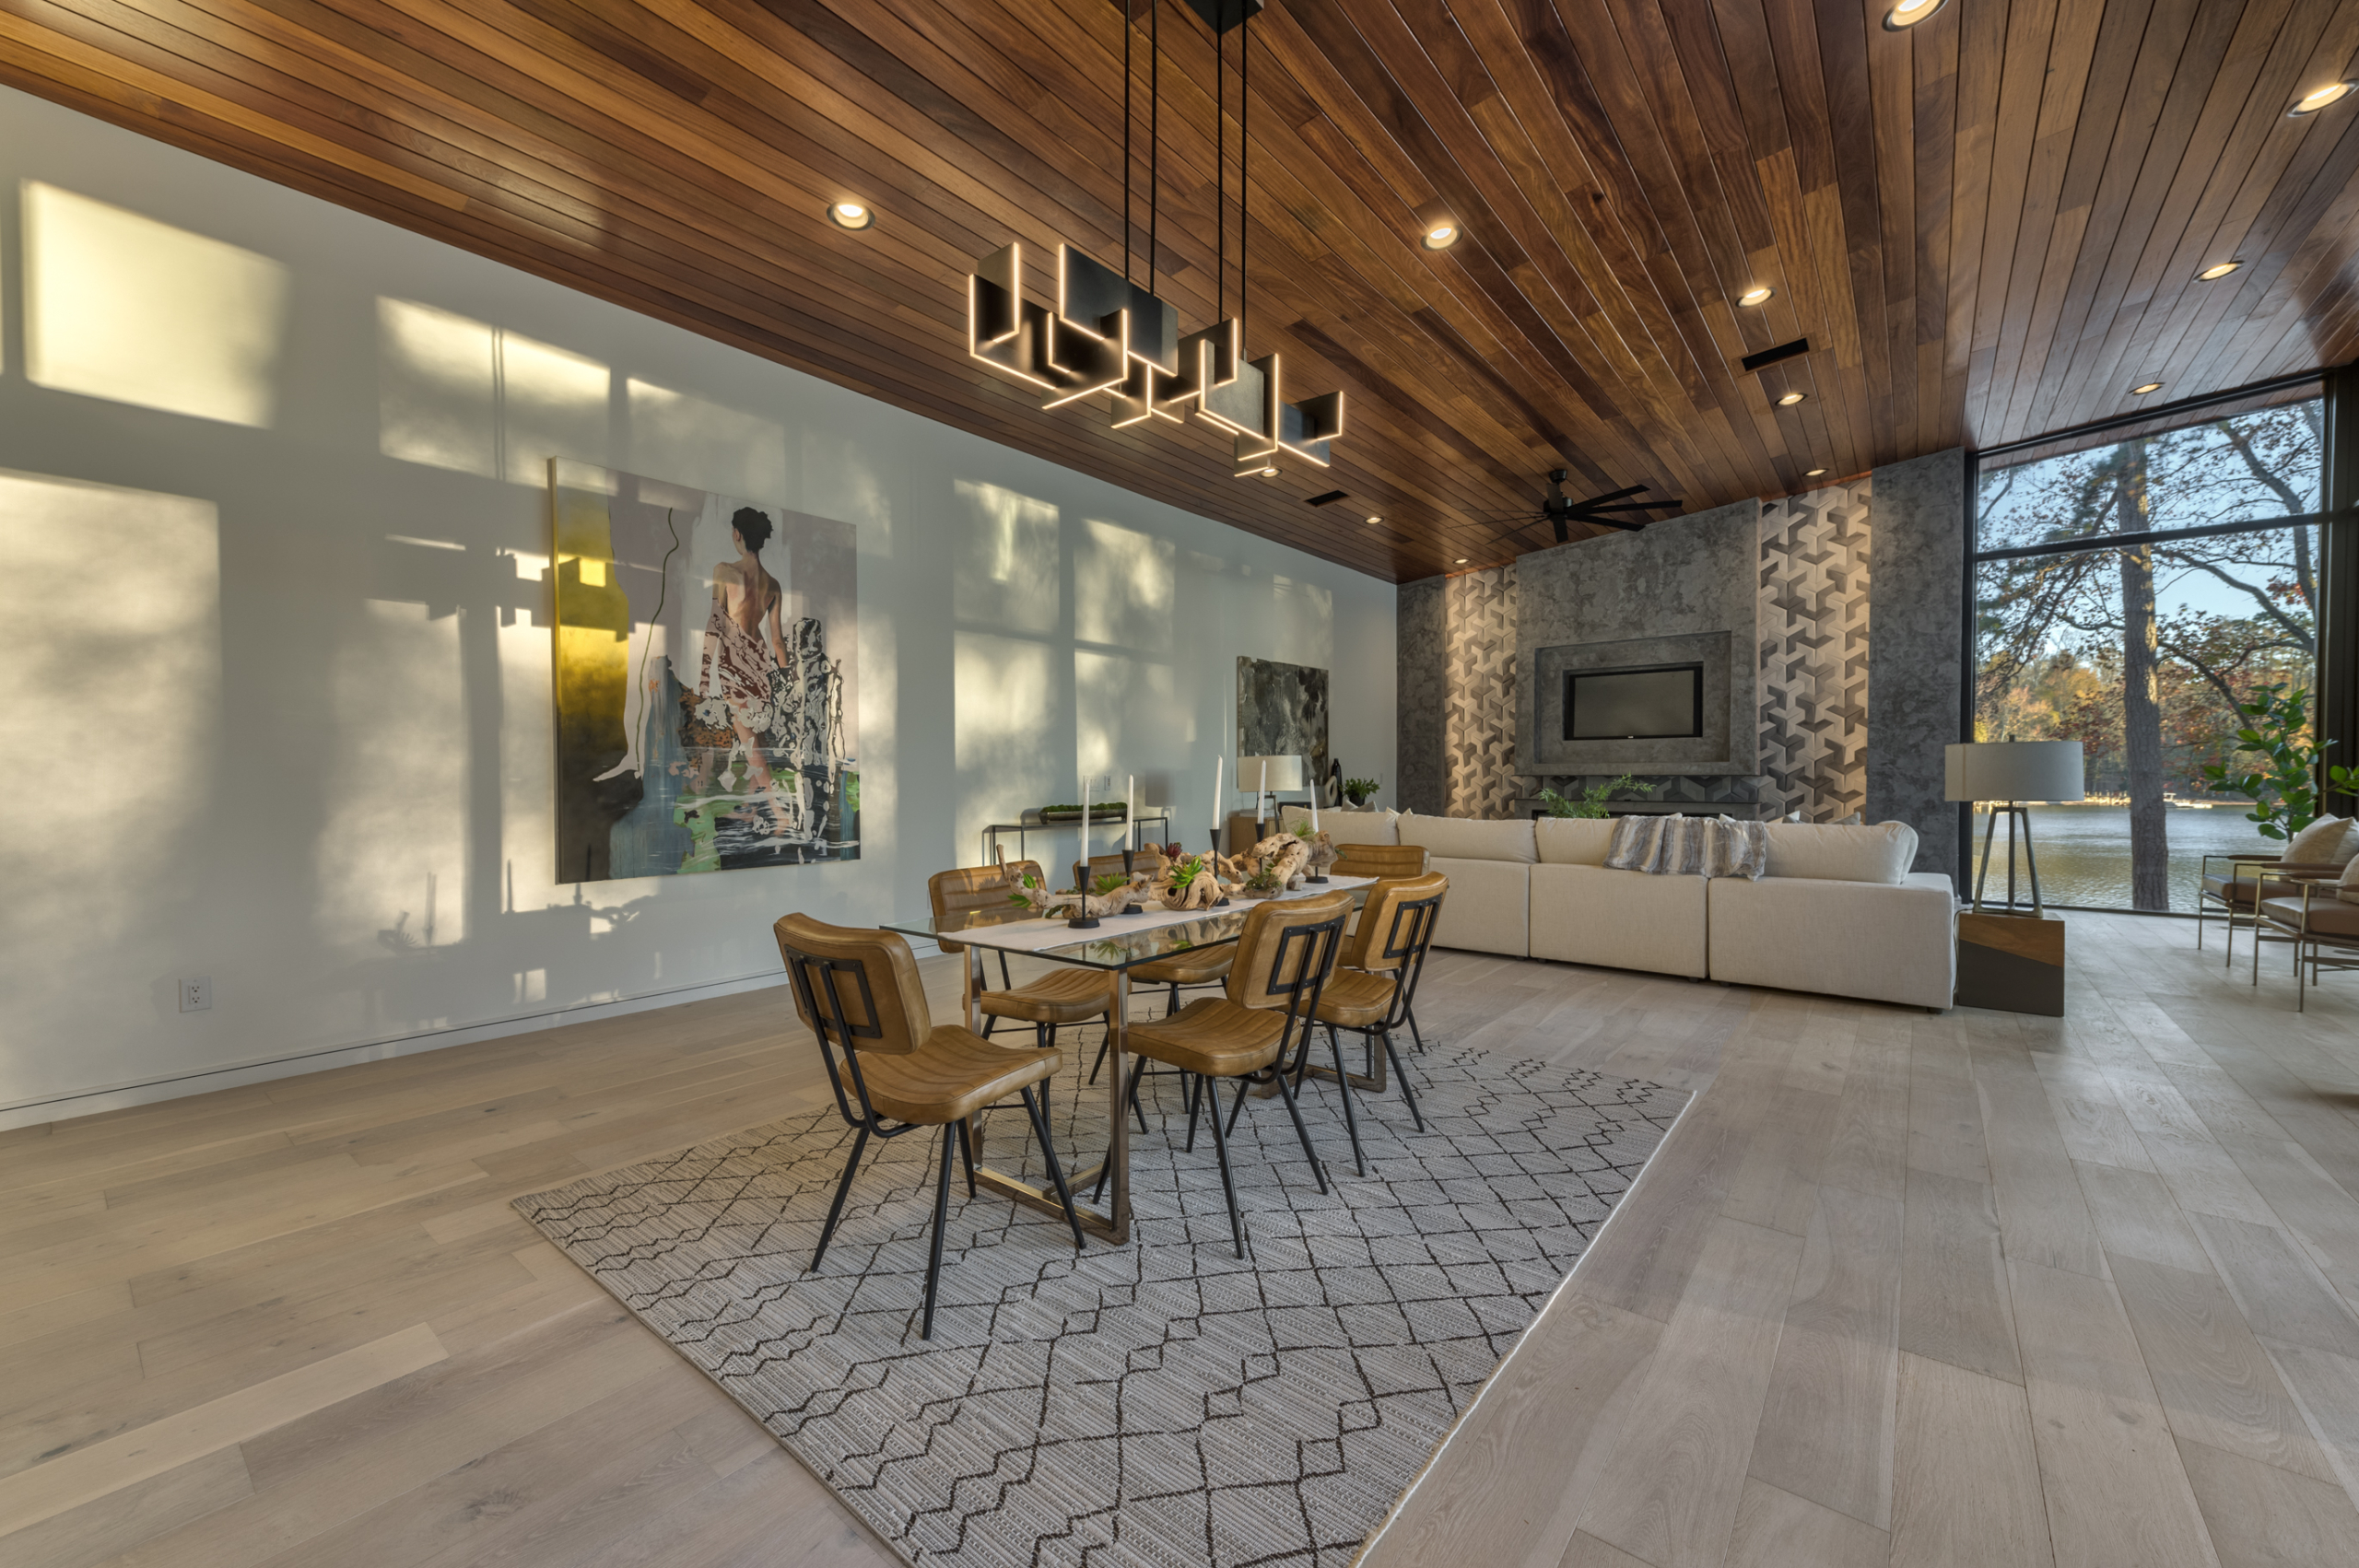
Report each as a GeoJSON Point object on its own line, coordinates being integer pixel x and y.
{"type": "Point", "coordinates": [2132, 589]}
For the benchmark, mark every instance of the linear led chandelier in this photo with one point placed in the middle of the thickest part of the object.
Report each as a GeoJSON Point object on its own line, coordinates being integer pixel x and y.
{"type": "Point", "coordinates": [1108, 335]}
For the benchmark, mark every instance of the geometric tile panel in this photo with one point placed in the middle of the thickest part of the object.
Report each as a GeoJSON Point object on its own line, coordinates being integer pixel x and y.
{"type": "Point", "coordinates": [1812, 620]}
{"type": "Point", "coordinates": [1479, 620]}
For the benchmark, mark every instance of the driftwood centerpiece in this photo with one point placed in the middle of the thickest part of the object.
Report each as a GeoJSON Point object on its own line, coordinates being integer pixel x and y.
{"type": "Point", "coordinates": [1282, 856]}
{"type": "Point", "coordinates": [1113, 896]}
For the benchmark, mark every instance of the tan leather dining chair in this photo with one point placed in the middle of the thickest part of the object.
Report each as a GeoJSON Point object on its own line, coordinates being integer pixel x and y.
{"type": "Point", "coordinates": [1283, 959]}
{"type": "Point", "coordinates": [858, 991]}
{"type": "Point", "coordinates": [1372, 990]}
{"type": "Point", "coordinates": [1380, 861]}
{"type": "Point", "coordinates": [1064, 995]}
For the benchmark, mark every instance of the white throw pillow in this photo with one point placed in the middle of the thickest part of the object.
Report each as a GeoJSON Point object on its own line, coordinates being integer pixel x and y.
{"type": "Point", "coordinates": [2325, 842]}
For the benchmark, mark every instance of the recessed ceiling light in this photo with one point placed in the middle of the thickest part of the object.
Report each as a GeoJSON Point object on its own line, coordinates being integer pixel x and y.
{"type": "Point", "coordinates": [1908, 13]}
{"type": "Point", "coordinates": [2311, 102]}
{"type": "Point", "coordinates": [1376, 520]}
{"type": "Point", "coordinates": [1759, 296]}
{"type": "Point", "coordinates": [2213, 274]}
{"type": "Point", "coordinates": [850, 214]}
{"type": "Point", "coordinates": [1460, 562]}
{"type": "Point", "coordinates": [1812, 473]}
{"type": "Point", "coordinates": [2149, 387]}
{"type": "Point", "coordinates": [1790, 398]}
{"type": "Point", "coordinates": [1441, 237]}
{"type": "Point", "coordinates": [1270, 471]}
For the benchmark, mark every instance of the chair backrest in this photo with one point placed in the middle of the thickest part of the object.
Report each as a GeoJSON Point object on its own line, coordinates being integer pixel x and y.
{"type": "Point", "coordinates": [1380, 861]}
{"type": "Point", "coordinates": [1287, 950]}
{"type": "Point", "coordinates": [1397, 923]}
{"type": "Point", "coordinates": [856, 989]}
{"type": "Point", "coordinates": [974, 887]}
{"type": "Point", "coordinates": [1142, 860]}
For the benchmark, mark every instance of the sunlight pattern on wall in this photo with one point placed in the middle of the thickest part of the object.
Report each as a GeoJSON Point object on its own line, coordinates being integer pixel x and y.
{"type": "Point", "coordinates": [121, 307]}
{"type": "Point", "coordinates": [463, 394]}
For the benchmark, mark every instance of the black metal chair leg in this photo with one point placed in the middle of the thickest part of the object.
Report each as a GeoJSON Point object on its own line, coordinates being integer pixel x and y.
{"type": "Point", "coordinates": [1137, 1077]}
{"type": "Point", "coordinates": [1172, 1006]}
{"type": "Point", "coordinates": [836, 1209]}
{"type": "Point", "coordinates": [1407, 1092]}
{"type": "Point", "coordinates": [1228, 1183]}
{"type": "Point", "coordinates": [1056, 1171]}
{"type": "Point", "coordinates": [1343, 1087]}
{"type": "Point", "coordinates": [966, 1152]}
{"type": "Point", "coordinates": [1197, 1089]}
{"type": "Point", "coordinates": [1318, 1166]}
{"type": "Point", "coordinates": [941, 1218]}
{"type": "Point", "coordinates": [990, 1022]}
{"type": "Point", "coordinates": [1103, 1047]}
{"type": "Point", "coordinates": [1005, 984]}
{"type": "Point", "coordinates": [1411, 1013]}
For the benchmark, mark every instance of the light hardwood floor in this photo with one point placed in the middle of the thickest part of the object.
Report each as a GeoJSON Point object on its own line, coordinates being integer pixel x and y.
{"type": "Point", "coordinates": [1971, 1289]}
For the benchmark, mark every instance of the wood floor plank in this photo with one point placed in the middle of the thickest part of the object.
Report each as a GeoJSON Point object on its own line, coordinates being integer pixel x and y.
{"type": "Point", "coordinates": [1774, 1528]}
{"type": "Point", "coordinates": [1954, 1294]}
{"type": "Point", "coordinates": [2215, 1381]}
{"type": "Point", "coordinates": [2281, 1292]}
{"type": "Point", "coordinates": [2045, 1219]}
{"type": "Point", "coordinates": [71, 1480]}
{"type": "Point", "coordinates": [1825, 1432]}
{"type": "Point", "coordinates": [2116, 1494]}
{"type": "Point", "coordinates": [2261, 1516]}
{"type": "Point", "coordinates": [2137, 1217]}
{"type": "Point", "coordinates": [1966, 1473]}
{"type": "Point", "coordinates": [1562, 1393]}
{"type": "Point", "coordinates": [1670, 1493]}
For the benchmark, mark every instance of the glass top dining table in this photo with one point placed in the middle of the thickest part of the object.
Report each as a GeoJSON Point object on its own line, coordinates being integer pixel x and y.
{"type": "Point", "coordinates": [1117, 945]}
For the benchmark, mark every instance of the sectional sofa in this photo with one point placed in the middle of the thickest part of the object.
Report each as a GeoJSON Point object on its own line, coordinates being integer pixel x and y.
{"type": "Point", "coordinates": [1839, 911]}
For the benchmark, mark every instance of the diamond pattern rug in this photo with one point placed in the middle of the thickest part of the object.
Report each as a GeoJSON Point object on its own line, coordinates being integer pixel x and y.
{"type": "Point", "coordinates": [1155, 1404]}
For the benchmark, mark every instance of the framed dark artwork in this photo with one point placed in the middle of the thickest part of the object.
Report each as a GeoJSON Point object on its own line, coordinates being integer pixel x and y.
{"type": "Point", "coordinates": [1281, 711]}
{"type": "Point", "coordinates": [705, 681]}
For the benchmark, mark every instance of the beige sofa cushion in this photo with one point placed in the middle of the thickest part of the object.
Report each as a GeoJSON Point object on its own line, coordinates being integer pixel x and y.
{"type": "Point", "coordinates": [1361, 828]}
{"type": "Point", "coordinates": [1462, 838]}
{"type": "Point", "coordinates": [1882, 853]}
{"type": "Point", "coordinates": [1573, 840]}
{"type": "Point", "coordinates": [1618, 919]}
{"type": "Point", "coordinates": [1489, 907]}
{"type": "Point", "coordinates": [1896, 942]}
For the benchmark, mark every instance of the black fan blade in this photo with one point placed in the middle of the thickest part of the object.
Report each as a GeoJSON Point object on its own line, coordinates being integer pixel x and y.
{"type": "Point", "coordinates": [1610, 495]}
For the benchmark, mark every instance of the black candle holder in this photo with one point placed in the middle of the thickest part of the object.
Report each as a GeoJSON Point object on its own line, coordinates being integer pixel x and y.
{"type": "Point", "coordinates": [1222, 902]}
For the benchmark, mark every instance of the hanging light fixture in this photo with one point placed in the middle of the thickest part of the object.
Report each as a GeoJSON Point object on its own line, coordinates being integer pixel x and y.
{"type": "Point", "coordinates": [1109, 334]}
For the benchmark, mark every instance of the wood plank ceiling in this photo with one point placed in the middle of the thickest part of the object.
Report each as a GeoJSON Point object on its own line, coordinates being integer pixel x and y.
{"type": "Point", "coordinates": [1987, 226]}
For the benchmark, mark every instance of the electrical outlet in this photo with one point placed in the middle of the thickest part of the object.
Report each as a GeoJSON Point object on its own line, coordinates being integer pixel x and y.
{"type": "Point", "coordinates": [196, 993]}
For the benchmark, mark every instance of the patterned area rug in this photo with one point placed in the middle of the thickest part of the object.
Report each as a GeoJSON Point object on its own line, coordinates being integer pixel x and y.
{"type": "Point", "coordinates": [1161, 1403]}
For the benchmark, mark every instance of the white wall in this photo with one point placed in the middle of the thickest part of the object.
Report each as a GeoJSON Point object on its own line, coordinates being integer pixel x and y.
{"type": "Point", "coordinates": [277, 711]}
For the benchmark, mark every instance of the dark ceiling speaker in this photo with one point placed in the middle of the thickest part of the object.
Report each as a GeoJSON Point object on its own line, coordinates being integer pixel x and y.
{"type": "Point", "coordinates": [1769, 356]}
{"type": "Point", "coordinates": [1328, 497]}
{"type": "Point", "coordinates": [1222, 15]}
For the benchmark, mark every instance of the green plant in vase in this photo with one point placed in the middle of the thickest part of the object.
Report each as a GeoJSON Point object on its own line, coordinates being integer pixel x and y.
{"type": "Point", "coordinates": [1592, 800]}
{"type": "Point", "coordinates": [1359, 791]}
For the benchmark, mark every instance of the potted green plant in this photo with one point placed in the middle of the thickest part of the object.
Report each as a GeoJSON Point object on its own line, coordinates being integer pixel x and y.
{"type": "Point", "coordinates": [2282, 781]}
{"type": "Point", "coordinates": [1592, 800]}
{"type": "Point", "coordinates": [1359, 791]}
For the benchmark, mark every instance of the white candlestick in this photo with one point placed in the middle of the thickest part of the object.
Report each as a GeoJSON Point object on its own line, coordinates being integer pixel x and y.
{"type": "Point", "coordinates": [1314, 809]}
{"type": "Point", "coordinates": [1218, 764]}
{"type": "Point", "coordinates": [1261, 796]}
{"type": "Point", "coordinates": [1131, 805]}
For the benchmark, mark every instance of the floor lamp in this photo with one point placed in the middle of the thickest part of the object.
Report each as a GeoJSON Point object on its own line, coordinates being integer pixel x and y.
{"type": "Point", "coordinates": [2009, 774]}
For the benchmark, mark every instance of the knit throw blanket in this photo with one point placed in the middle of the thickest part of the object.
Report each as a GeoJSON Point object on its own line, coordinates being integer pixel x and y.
{"type": "Point", "coordinates": [1689, 846]}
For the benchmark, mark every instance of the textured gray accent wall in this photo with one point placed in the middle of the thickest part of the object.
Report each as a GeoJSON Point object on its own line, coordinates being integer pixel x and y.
{"type": "Point", "coordinates": [1816, 642]}
{"type": "Point", "coordinates": [1687, 575]}
{"type": "Point", "coordinates": [1421, 687]}
{"type": "Point", "coordinates": [1914, 660]}
{"type": "Point", "coordinates": [1479, 615]}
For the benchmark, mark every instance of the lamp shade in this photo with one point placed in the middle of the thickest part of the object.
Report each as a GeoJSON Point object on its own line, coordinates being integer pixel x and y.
{"type": "Point", "coordinates": [1285, 773]}
{"type": "Point", "coordinates": [2015, 770]}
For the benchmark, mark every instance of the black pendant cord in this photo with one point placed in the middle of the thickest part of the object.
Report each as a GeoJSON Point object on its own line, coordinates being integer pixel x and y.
{"type": "Point", "coordinates": [1244, 174]}
{"type": "Point", "coordinates": [1220, 176]}
{"type": "Point", "coordinates": [1126, 141]}
{"type": "Point", "coordinates": [1153, 129]}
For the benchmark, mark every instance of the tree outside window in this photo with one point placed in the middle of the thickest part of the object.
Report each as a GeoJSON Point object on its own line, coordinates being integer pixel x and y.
{"type": "Point", "coordinates": [2143, 651]}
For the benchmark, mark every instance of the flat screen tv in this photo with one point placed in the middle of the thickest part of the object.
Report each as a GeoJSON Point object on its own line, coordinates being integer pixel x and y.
{"type": "Point", "coordinates": [1653, 702]}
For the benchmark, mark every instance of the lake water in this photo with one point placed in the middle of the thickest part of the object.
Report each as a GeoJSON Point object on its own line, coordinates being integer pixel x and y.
{"type": "Point", "coordinates": [2084, 852]}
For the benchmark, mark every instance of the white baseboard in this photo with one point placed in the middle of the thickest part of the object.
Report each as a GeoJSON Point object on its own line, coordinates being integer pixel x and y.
{"type": "Point", "coordinates": [117, 1097]}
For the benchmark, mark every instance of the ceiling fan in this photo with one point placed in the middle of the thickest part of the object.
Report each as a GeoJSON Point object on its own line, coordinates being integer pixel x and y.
{"type": "Point", "coordinates": [1563, 511]}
